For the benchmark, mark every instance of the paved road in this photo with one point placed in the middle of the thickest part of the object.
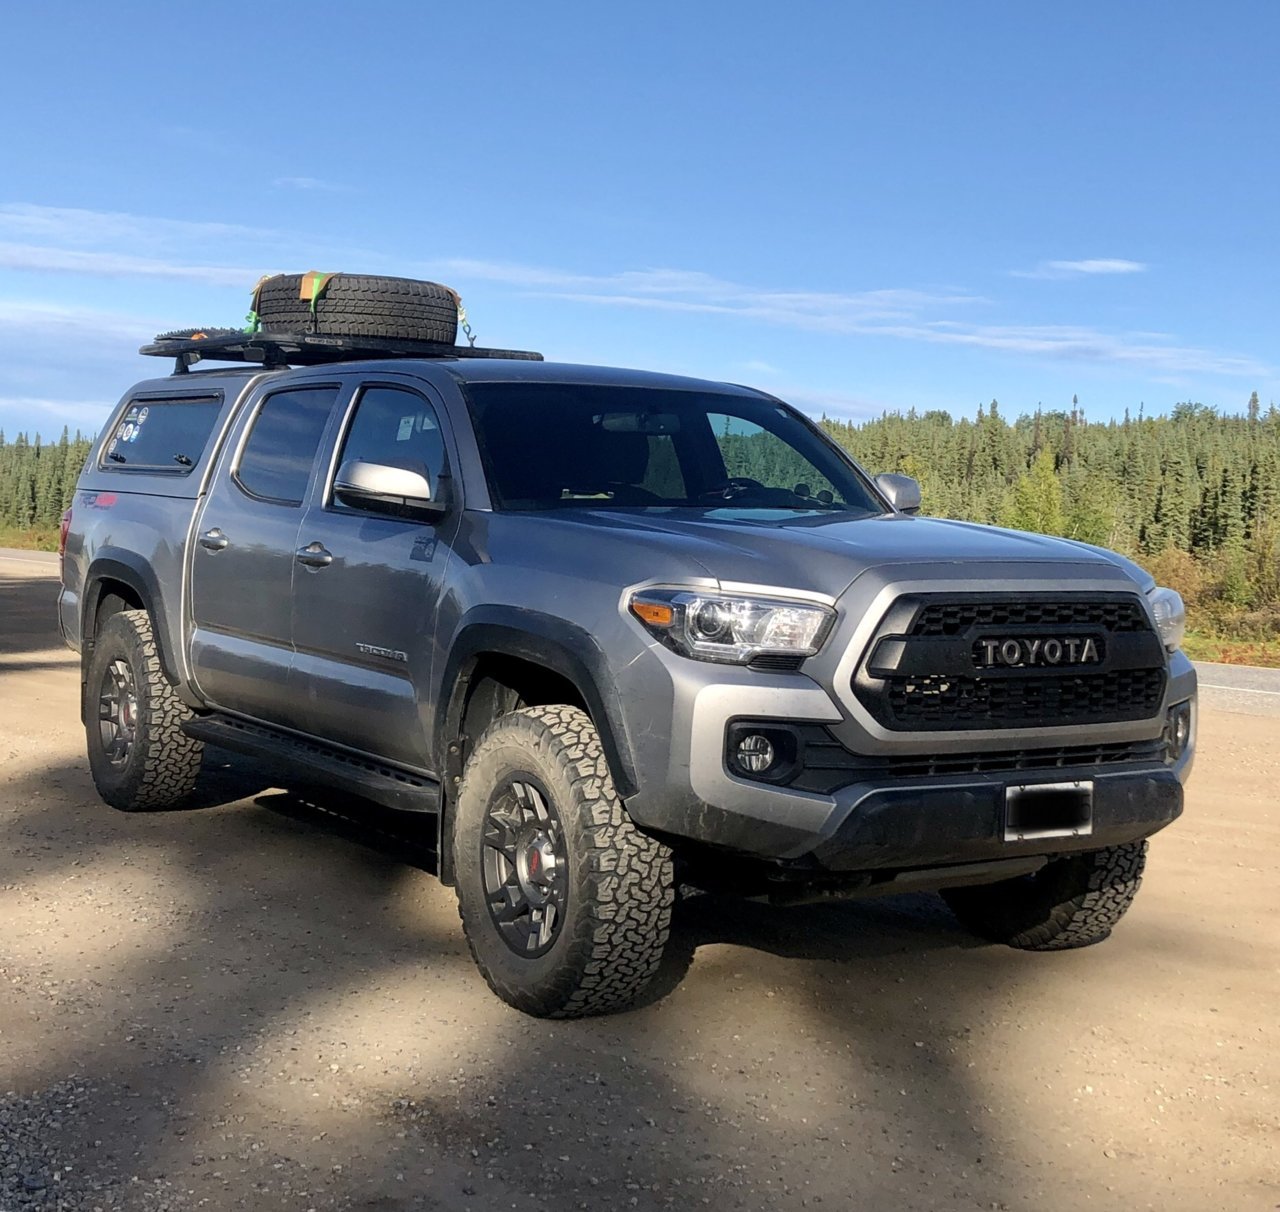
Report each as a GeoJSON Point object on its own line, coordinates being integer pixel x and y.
{"type": "Point", "coordinates": [1239, 688]}
{"type": "Point", "coordinates": [45, 559]}
{"type": "Point", "coordinates": [258, 1005]}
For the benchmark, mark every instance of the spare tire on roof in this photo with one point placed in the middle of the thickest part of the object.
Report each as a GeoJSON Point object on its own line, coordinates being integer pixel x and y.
{"type": "Point", "coordinates": [358, 305]}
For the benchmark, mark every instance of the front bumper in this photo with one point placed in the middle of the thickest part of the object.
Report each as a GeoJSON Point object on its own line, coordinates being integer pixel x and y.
{"type": "Point", "coordinates": [927, 823]}
{"type": "Point", "coordinates": [883, 821]}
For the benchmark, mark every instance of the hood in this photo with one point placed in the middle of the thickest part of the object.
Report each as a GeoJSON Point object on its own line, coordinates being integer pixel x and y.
{"type": "Point", "coordinates": [821, 552]}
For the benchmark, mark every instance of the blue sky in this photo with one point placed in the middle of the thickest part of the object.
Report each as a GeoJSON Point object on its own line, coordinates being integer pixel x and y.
{"type": "Point", "coordinates": [858, 206]}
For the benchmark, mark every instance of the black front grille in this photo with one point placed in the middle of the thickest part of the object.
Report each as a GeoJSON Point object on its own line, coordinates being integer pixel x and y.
{"type": "Point", "coordinates": [923, 671]}
{"type": "Point", "coordinates": [955, 618]}
{"type": "Point", "coordinates": [1045, 699]}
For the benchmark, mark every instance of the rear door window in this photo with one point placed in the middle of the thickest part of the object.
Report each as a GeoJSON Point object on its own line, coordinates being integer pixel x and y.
{"type": "Point", "coordinates": [275, 464]}
{"type": "Point", "coordinates": [166, 435]}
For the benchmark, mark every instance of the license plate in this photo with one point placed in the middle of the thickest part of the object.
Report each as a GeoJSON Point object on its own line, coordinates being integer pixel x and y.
{"type": "Point", "coordinates": [1036, 810]}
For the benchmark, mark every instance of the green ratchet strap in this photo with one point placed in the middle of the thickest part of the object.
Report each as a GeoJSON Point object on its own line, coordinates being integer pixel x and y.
{"type": "Point", "coordinates": [253, 322]}
{"type": "Point", "coordinates": [312, 286]}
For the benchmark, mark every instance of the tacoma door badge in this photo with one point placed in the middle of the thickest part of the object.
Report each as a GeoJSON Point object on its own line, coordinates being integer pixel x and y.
{"type": "Point", "coordinates": [392, 654]}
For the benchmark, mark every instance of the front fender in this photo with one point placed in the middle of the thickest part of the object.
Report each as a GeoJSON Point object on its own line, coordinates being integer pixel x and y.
{"type": "Point", "coordinates": [542, 639]}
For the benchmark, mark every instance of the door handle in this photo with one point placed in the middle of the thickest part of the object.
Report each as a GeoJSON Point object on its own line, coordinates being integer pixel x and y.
{"type": "Point", "coordinates": [214, 539]}
{"type": "Point", "coordinates": [314, 555]}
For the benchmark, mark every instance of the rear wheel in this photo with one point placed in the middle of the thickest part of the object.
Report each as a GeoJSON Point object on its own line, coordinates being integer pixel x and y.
{"type": "Point", "coordinates": [565, 903]}
{"type": "Point", "coordinates": [138, 754]}
{"type": "Point", "coordinates": [1071, 901]}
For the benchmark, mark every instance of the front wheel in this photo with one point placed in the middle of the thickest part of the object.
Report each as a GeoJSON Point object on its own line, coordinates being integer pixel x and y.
{"type": "Point", "coordinates": [138, 754]}
{"type": "Point", "coordinates": [1071, 901]}
{"type": "Point", "coordinates": [566, 905]}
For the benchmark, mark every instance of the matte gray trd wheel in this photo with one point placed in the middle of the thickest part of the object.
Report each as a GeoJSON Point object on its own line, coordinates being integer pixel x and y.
{"type": "Point", "coordinates": [566, 905]}
{"type": "Point", "coordinates": [361, 305]}
{"type": "Point", "coordinates": [138, 754]}
{"type": "Point", "coordinates": [1070, 902]}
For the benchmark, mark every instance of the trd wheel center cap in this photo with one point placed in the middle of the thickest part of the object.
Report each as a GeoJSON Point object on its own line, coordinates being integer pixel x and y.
{"type": "Point", "coordinates": [536, 865]}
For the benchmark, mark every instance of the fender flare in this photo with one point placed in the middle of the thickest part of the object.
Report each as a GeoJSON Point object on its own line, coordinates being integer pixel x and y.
{"type": "Point", "coordinates": [116, 564]}
{"type": "Point", "coordinates": [542, 639]}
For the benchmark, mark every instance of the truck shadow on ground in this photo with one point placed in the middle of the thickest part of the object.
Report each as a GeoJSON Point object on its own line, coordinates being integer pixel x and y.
{"type": "Point", "coordinates": [266, 947]}
{"type": "Point", "coordinates": [28, 613]}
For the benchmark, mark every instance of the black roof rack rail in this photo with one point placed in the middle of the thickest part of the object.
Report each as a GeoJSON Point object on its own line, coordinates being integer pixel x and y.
{"type": "Point", "coordinates": [278, 349]}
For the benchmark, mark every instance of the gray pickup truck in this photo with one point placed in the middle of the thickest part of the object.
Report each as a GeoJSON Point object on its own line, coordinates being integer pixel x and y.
{"type": "Point", "coordinates": [612, 633]}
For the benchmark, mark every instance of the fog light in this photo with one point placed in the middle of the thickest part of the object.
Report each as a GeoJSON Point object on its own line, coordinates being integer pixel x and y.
{"type": "Point", "coordinates": [1177, 731]}
{"type": "Point", "coordinates": [754, 753]}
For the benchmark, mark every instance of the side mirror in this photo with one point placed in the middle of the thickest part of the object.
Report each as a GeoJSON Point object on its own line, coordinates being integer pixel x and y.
{"type": "Point", "coordinates": [383, 489]}
{"type": "Point", "coordinates": [903, 492]}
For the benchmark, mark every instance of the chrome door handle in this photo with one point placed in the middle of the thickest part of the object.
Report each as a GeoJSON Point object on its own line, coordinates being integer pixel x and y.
{"type": "Point", "coordinates": [214, 539]}
{"type": "Point", "coordinates": [313, 555]}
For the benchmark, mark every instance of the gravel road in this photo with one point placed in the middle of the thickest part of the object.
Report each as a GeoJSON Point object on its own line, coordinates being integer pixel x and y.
{"type": "Point", "coordinates": [259, 1005]}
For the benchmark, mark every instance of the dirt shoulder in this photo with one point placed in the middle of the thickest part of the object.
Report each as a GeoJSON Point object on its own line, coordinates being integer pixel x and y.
{"type": "Point", "coordinates": [258, 1005]}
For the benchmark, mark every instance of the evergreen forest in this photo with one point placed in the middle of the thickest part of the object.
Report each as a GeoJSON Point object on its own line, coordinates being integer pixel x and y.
{"type": "Point", "coordinates": [1193, 496]}
{"type": "Point", "coordinates": [37, 480]}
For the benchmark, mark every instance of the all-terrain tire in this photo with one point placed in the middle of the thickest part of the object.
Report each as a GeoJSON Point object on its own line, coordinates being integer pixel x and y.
{"type": "Point", "coordinates": [157, 766]}
{"type": "Point", "coordinates": [1072, 901]}
{"type": "Point", "coordinates": [361, 305]}
{"type": "Point", "coordinates": [619, 883]}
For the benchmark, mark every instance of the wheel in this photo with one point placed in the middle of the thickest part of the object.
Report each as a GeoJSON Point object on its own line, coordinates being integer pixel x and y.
{"type": "Point", "coordinates": [566, 905]}
{"type": "Point", "coordinates": [358, 305]}
{"type": "Point", "coordinates": [138, 754]}
{"type": "Point", "coordinates": [1070, 902]}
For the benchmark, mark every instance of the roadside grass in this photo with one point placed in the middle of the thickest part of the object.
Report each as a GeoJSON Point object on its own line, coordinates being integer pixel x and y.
{"type": "Point", "coordinates": [1227, 651]}
{"type": "Point", "coordinates": [39, 538]}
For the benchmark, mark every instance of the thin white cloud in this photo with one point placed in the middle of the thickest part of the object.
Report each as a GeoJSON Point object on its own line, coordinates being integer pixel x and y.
{"type": "Point", "coordinates": [83, 413]}
{"type": "Point", "coordinates": [911, 315]}
{"type": "Point", "coordinates": [80, 228]}
{"type": "Point", "coordinates": [34, 258]}
{"type": "Point", "coordinates": [26, 319]}
{"type": "Point", "coordinates": [69, 241]}
{"type": "Point", "coordinates": [1155, 353]}
{"type": "Point", "coordinates": [1093, 267]}
{"type": "Point", "coordinates": [692, 291]}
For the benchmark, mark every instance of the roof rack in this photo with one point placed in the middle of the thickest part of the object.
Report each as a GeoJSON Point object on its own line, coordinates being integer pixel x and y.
{"type": "Point", "coordinates": [279, 349]}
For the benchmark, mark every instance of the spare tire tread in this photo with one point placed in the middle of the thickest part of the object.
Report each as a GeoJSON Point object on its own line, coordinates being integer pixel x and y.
{"type": "Point", "coordinates": [361, 305]}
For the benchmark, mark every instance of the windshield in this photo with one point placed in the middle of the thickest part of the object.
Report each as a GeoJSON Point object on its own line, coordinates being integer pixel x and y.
{"type": "Point", "coordinates": [564, 446]}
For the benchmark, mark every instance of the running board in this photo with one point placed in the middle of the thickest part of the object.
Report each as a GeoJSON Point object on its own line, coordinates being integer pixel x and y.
{"type": "Point", "coordinates": [308, 763]}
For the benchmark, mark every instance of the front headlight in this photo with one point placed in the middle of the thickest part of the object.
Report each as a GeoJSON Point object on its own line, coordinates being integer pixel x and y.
{"type": "Point", "coordinates": [728, 627]}
{"type": "Point", "coordinates": [1170, 615]}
